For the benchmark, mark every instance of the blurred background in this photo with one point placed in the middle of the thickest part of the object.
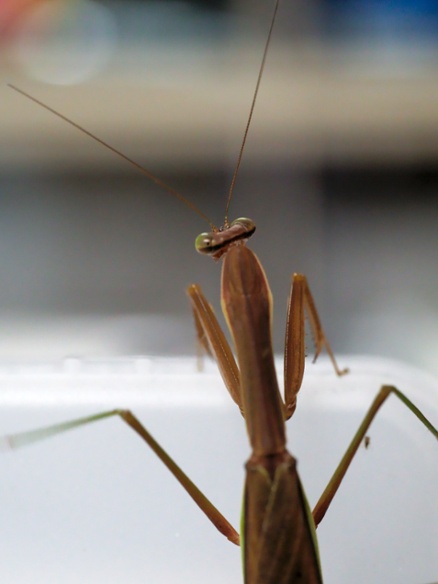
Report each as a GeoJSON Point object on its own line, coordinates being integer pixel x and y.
{"type": "Point", "coordinates": [339, 172]}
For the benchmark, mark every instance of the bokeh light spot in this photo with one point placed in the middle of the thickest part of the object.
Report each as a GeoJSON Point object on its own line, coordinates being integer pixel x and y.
{"type": "Point", "coordinates": [65, 42]}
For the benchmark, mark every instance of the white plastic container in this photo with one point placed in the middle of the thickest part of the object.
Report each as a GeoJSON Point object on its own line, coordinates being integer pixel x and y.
{"type": "Point", "coordinates": [96, 506]}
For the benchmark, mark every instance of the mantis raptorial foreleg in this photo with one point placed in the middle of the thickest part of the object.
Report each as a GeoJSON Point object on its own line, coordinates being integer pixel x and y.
{"type": "Point", "coordinates": [301, 303]}
{"type": "Point", "coordinates": [211, 337]}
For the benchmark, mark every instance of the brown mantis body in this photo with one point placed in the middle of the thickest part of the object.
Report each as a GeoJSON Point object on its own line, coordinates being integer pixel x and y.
{"type": "Point", "coordinates": [279, 541]}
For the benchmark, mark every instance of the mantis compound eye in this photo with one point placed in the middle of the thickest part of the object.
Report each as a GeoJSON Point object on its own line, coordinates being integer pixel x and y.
{"type": "Point", "coordinates": [204, 243]}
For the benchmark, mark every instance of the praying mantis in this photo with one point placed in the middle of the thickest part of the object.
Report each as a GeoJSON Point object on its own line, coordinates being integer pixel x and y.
{"type": "Point", "coordinates": [278, 537]}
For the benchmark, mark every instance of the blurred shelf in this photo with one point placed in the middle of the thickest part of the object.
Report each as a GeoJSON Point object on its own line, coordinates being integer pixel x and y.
{"type": "Point", "coordinates": [317, 104]}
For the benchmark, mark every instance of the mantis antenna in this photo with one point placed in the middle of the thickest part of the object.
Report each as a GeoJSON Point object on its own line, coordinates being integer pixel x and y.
{"type": "Point", "coordinates": [149, 174]}
{"type": "Point", "coordinates": [138, 166]}
{"type": "Point", "coordinates": [251, 111]}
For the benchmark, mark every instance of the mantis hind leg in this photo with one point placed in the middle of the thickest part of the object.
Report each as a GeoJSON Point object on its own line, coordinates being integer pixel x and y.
{"type": "Point", "coordinates": [334, 483]}
{"type": "Point", "coordinates": [213, 514]}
